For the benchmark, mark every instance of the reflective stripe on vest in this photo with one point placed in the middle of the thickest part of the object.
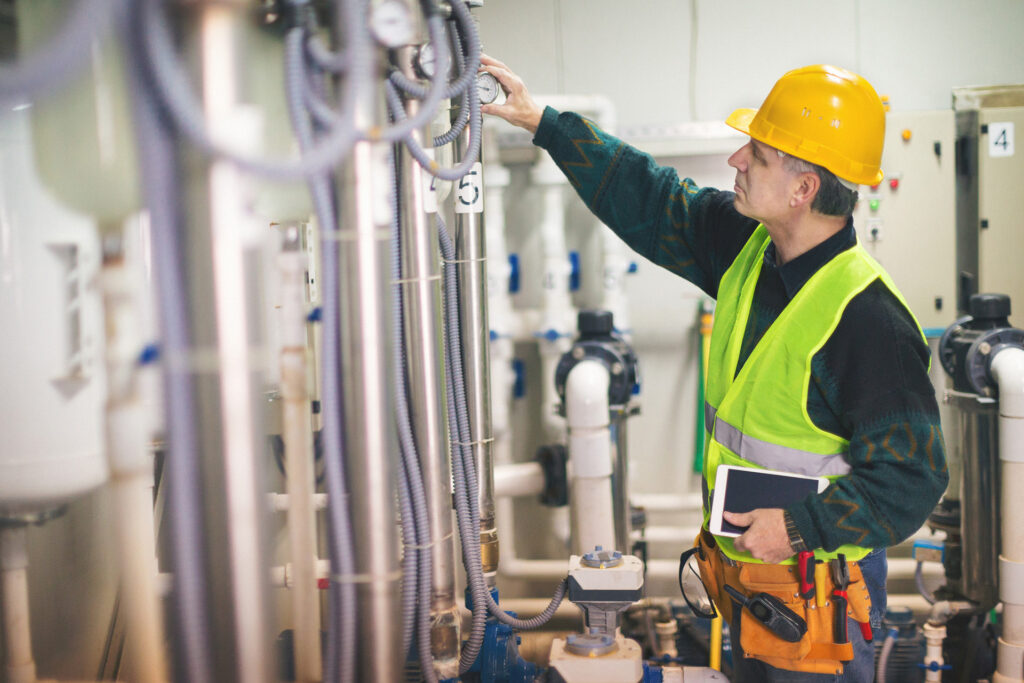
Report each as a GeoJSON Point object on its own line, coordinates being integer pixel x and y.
{"type": "Point", "coordinates": [772, 455]}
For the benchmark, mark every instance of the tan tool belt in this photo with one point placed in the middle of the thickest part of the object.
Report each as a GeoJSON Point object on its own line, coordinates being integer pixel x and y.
{"type": "Point", "coordinates": [817, 651]}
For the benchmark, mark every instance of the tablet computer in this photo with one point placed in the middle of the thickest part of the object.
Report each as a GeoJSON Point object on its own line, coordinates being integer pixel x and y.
{"type": "Point", "coordinates": [742, 489]}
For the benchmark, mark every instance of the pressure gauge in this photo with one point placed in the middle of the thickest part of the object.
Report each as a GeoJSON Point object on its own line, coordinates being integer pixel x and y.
{"type": "Point", "coordinates": [391, 23]}
{"type": "Point", "coordinates": [425, 61]}
{"type": "Point", "coordinates": [487, 86]}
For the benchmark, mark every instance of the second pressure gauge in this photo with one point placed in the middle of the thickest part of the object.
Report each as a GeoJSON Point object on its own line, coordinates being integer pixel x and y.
{"type": "Point", "coordinates": [487, 86]}
{"type": "Point", "coordinates": [425, 62]}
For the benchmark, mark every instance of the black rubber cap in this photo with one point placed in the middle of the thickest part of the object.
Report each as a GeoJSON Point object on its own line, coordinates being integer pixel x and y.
{"type": "Point", "coordinates": [595, 323]}
{"type": "Point", "coordinates": [990, 306]}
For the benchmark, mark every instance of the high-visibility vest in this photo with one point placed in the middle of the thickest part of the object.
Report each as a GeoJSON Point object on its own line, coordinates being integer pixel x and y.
{"type": "Point", "coordinates": [758, 417]}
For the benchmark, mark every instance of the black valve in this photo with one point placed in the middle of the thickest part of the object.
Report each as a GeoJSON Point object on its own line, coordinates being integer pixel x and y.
{"type": "Point", "coordinates": [968, 345]}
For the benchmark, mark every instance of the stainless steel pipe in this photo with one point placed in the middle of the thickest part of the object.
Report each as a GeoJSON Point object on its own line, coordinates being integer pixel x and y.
{"type": "Point", "coordinates": [421, 301]}
{"type": "Point", "coordinates": [223, 276]}
{"type": "Point", "coordinates": [471, 257]}
{"type": "Point", "coordinates": [370, 444]}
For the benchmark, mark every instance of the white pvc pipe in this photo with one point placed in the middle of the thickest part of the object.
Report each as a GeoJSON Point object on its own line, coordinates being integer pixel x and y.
{"type": "Point", "coordinates": [19, 666]}
{"type": "Point", "coordinates": [933, 636]}
{"type": "Point", "coordinates": [1007, 369]}
{"type": "Point", "coordinates": [300, 477]}
{"type": "Point", "coordinates": [131, 474]}
{"type": "Point", "coordinates": [590, 461]}
{"type": "Point", "coordinates": [518, 479]}
{"type": "Point", "coordinates": [558, 316]}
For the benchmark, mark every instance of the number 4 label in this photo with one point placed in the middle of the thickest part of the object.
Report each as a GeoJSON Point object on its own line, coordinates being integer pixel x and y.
{"type": "Point", "coordinates": [469, 196]}
{"type": "Point", "coordinates": [1000, 139]}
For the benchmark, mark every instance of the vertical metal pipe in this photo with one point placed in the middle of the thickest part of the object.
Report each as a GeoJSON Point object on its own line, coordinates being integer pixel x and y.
{"type": "Point", "coordinates": [370, 443]}
{"type": "Point", "coordinates": [298, 445]}
{"type": "Point", "coordinates": [223, 275]}
{"type": "Point", "coordinates": [620, 478]}
{"type": "Point", "coordinates": [471, 255]}
{"type": "Point", "coordinates": [421, 301]}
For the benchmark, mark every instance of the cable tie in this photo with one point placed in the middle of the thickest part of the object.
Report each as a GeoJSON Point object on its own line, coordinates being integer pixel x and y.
{"type": "Point", "coordinates": [410, 280]}
{"type": "Point", "coordinates": [464, 260]}
{"type": "Point", "coordinates": [428, 546]}
{"type": "Point", "coordinates": [207, 359]}
{"type": "Point", "coordinates": [479, 442]}
{"type": "Point", "coordinates": [365, 578]}
{"type": "Point", "coordinates": [352, 235]}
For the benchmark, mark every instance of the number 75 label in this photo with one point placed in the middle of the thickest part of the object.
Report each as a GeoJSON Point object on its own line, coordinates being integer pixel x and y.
{"type": "Point", "coordinates": [1000, 139]}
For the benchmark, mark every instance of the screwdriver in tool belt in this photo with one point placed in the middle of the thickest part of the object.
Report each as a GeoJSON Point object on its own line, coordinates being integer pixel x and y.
{"type": "Point", "coordinates": [805, 567]}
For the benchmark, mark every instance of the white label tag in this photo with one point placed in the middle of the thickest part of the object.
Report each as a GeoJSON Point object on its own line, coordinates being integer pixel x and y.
{"type": "Point", "coordinates": [469, 197]}
{"type": "Point", "coordinates": [1000, 139]}
{"type": "Point", "coordinates": [429, 187]}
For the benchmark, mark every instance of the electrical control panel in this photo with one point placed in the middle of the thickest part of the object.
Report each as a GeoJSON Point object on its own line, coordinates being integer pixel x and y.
{"type": "Point", "coordinates": [908, 221]}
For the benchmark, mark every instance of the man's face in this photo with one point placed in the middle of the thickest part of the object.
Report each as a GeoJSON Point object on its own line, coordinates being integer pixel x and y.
{"type": "Point", "coordinates": [763, 185]}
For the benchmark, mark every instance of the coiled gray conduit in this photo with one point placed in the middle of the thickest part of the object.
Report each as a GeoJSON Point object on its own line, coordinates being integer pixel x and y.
{"type": "Point", "coordinates": [340, 661]}
{"type": "Point", "coordinates": [158, 170]}
{"type": "Point", "coordinates": [180, 101]}
{"type": "Point", "coordinates": [418, 575]}
{"type": "Point", "coordinates": [464, 470]}
{"type": "Point", "coordinates": [53, 64]}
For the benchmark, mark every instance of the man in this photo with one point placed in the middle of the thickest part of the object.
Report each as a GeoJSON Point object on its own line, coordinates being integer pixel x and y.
{"type": "Point", "coordinates": [817, 364]}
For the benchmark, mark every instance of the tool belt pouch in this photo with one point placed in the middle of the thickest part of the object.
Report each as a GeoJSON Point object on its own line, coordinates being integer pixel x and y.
{"type": "Point", "coordinates": [715, 573]}
{"type": "Point", "coordinates": [817, 651]}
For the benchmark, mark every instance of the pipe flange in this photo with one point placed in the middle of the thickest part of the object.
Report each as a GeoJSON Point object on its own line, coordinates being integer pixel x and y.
{"type": "Point", "coordinates": [16, 518]}
{"type": "Point", "coordinates": [599, 558]}
{"type": "Point", "coordinates": [980, 354]}
{"type": "Point", "coordinates": [591, 644]}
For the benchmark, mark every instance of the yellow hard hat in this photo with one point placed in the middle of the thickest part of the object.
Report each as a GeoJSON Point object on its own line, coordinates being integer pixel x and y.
{"type": "Point", "coordinates": [825, 115]}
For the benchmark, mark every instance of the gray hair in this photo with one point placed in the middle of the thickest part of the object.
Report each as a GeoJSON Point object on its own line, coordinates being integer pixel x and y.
{"type": "Point", "coordinates": [836, 197]}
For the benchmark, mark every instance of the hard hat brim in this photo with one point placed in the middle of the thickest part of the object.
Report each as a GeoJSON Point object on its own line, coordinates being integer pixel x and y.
{"type": "Point", "coordinates": [740, 120]}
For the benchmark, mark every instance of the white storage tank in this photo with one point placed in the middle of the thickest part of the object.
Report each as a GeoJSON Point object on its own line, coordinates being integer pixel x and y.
{"type": "Point", "coordinates": [51, 346]}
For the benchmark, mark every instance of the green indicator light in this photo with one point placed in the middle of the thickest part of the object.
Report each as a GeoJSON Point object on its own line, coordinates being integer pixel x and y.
{"type": "Point", "coordinates": [873, 204]}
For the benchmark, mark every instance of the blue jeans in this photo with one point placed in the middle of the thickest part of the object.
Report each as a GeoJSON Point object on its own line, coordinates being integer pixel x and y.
{"type": "Point", "coordinates": [860, 670]}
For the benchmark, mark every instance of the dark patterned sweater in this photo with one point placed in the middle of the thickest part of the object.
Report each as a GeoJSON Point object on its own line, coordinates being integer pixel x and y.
{"type": "Point", "coordinates": [869, 382]}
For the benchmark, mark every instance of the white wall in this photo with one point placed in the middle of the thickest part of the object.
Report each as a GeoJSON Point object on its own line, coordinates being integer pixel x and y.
{"type": "Point", "coordinates": [667, 62]}
{"type": "Point", "coordinates": [639, 53]}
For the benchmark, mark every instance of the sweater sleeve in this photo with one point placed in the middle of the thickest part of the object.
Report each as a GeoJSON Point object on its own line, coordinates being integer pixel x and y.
{"type": "Point", "coordinates": [871, 384]}
{"type": "Point", "coordinates": [692, 231]}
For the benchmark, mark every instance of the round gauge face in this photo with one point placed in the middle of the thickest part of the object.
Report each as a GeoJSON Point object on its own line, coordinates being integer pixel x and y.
{"type": "Point", "coordinates": [426, 61]}
{"type": "Point", "coordinates": [487, 86]}
{"type": "Point", "coordinates": [391, 23]}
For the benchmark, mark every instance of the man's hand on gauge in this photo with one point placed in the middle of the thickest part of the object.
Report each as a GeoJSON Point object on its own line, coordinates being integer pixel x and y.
{"type": "Point", "coordinates": [519, 108]}
{"type": "Point", "coordinates": [766, 538]}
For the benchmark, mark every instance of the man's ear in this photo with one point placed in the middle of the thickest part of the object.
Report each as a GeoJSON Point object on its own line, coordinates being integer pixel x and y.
{"type": "Point", "coordinates": [805, 189]}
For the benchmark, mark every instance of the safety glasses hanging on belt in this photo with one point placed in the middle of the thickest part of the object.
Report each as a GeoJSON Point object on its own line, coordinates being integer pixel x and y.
{"type": "Point", "coordinates": [692, 586]}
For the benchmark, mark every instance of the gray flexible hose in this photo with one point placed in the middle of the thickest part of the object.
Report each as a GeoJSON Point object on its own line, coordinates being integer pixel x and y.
{"type": "Point", "coordinates": [415, 516]}
{"type": "Point", "coordinates": [53, 64]}
{"type": "Point", "coordinates": [324, 59]}
{"type": "Point", "coordinates": [466, 75]}
{"type": "Point", "coordinates": [327, 116]}
{"type": "Point", "coordinates": [429, 165]}
{"type": "Point", "coordinates": [467, 521]}
{"type": "Point", "coordinates": [464, 471]}
{"type": "Point", "coordinates": [340, 661]}
{"type": "Point", "coordinates": [469, 91]}
{"type": "Point", "coordinates": [156, 154]}
{"type": "Point", "coordinates": [883, 657]}
{"type": "Point", "coordinates": [171, 83]}
{"type": "Point", "coordinates": [180, 101]}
